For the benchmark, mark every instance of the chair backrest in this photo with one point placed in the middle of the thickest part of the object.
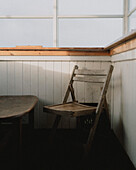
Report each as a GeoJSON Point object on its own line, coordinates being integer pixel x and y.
{"type": "Point", "coordinates": [90, 76]}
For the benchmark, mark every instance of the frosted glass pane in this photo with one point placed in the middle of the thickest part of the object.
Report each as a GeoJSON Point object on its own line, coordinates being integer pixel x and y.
{"type": "Point", "coordinates": [26, 7]}
{"type": "Point", "coordinates": [132, 21]}
{"type": "Point", "coordinates": [132, 4]}
{"type": "Point", "coordinates": [26, 32]}
{"type": "Point", "coordinates": [88, 32]}
{"type": "Point", "coordinates": [90, 7]}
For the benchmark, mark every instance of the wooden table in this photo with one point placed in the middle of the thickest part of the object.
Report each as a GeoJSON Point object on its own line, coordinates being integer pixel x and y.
{"type": "Point", "coordinates": [13, 108]}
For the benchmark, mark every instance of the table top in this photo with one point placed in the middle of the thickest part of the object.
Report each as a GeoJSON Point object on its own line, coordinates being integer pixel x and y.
{"type": "Point", "coordinates": [16, 106]}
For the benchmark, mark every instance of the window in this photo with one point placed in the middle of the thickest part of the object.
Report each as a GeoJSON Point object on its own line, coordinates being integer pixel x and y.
{"type": "Point", "coordinates": [132, 15]}
{"type": "Point", "coordinates": [78, 23]}
{"type": "Point", "coordinates": [15, 32]}
{"type": "Point", "coordinates": [89, 32]}
{"type": "Point", "coordinates": [90, 7]}
{"type": "Point", "coordinates": [132, 5]}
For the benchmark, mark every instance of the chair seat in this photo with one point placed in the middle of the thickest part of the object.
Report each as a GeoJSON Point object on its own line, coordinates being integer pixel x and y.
{"type": "Point", "coordinates": [73, 109]}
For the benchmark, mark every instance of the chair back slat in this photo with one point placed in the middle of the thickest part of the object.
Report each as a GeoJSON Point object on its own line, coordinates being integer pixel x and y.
{"type": "Point", "coordinates": [89, 79]}
{"type": "Point", "coordinates": [91, 72]}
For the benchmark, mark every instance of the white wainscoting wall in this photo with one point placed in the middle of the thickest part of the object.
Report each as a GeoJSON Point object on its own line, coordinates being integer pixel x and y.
{"type": "Point", "coordinates": [47, 77]}
{"type": "Point", "coordinates": [123, 99]}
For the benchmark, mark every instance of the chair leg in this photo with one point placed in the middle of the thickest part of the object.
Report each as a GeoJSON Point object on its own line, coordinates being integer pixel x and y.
{"type": "Point", "coordinates": [54, 128]}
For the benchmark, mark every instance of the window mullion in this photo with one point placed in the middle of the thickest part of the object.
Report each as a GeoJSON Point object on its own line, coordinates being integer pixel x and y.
{"type": "Point", "coordinates": [125, 16]}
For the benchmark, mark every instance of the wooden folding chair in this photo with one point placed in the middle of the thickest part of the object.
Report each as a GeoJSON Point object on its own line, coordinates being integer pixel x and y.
{"type": "Point", "coordinates": [75, 109]}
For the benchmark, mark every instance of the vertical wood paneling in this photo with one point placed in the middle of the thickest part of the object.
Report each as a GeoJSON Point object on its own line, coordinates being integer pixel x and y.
{"type": "Point", "coordinates": [112, 97]}
{"type": "Point", "coordinates": [26, 78]}
{"type": "Point", "coordinates": [88, 86]}
{"type": "Point", "coordinates": [26, 83]}
{"type": "Point", "coordinates": [123, 102]}
{"type": "Point", "coordinates": [3, 78]}
{"type": "Point", "coordinates": [49, 91]}
{"type": "Point", "coordinates": [133, 114]}
{"type": "Point", "coordinates": [57, 86]}
{"type": "Point", "coordinates": [96, 88]}
{"type": "Point", "coordinates": [42, 94]}
{"type": "Point", "coordinates": [117, 96]}
{"type": "Point", "coordinates": [47, 80]}
{"type": "Point", "coordinates": [34, 89]}
{"type": "Point", "coordinates": [11, 78]}
{"type": "Point", "coordinates": [65, 122]}
{"type": "Point", "coordinates": [18, 78]}
{"type": "Point", "coordinates": [127, 105]}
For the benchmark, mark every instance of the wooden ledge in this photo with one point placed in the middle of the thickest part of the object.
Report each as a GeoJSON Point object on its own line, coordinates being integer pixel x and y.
{"type": "Point", "coordinates": [41, 48]}
{"type": "Point", "coordinates": [44, 51]}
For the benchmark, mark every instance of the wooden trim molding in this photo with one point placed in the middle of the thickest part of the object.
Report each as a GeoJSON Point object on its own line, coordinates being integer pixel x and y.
{"type": "Point", "coordinates": [53, 53]}
{"type": "Point", "coordinates": [41, 48]}
{"type": "Point", "coordinates": [43, 51]}
{"type": "Point", "coordinates": [129, 45]}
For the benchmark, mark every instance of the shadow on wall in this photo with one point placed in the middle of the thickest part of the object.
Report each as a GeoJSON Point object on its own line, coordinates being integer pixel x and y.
{"type": "Point", "coordinates": [118, 125]}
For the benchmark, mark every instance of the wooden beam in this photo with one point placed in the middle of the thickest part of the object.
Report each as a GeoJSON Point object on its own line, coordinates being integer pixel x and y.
{"type": "Point", "coordinates": [52, 53]}
{"type": "Point", "coordinates": [130, 45]}
{"type": "Point", "coordinates": [41, 48]}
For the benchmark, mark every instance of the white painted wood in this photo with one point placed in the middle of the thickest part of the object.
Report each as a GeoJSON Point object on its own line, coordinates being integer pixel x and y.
{"type": "Point", "coordinates": [49, 98]}
{"type": "Point", "coordinates": [133, 115]}
{"type": "Point", "coordinates": [127, 106]}
{"type": "Point", "coordinates": [11, 78]}
{"type": "Point", "coordinates": [18, 77]}
{"type": "Point", "coordinates": [112, 98]}
{"type": "Point", "coordinates": [47, 80]}
{"type": "Point", "coordinates": [57, 85]}
{"type": "Point", "coordinates": [117, 99]}
{"type": "Point", "coordinates": [3, 78]}
{"type": "Point", "coordinates": [42, 94]}
{"type": "Point", "coordinates": [34, 86]}
{"type": "Point", "coordinates": [96, 89]}
{"type": "Point", "coordinates": [125, 56]}
{"type": "Point", "coordinates": [123, 100]}
{"type": "Point", "coordinates": [88, 86]}
{"type": "Point", "coordinates": [26, 83]}
{"type": "Point", "coordinates": [57, 82]}
{"type": "Point", "coordinates": [26, 78]}
{"type": "Point", "coordinates": [56, 58]}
